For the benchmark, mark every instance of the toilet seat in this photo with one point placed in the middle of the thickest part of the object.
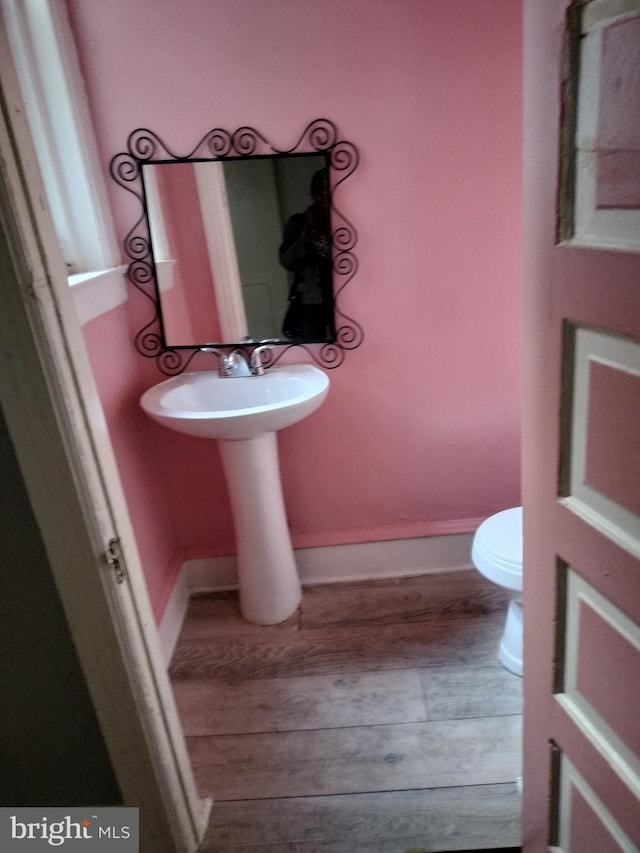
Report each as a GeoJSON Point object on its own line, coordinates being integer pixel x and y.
{"type": "Point", "coordinates": [497, 549]}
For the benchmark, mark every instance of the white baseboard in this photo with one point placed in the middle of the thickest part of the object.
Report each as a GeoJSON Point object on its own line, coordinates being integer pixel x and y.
{"type": "Point", "coordinates": [342, 563]}
{"type": "Point", "coordinates": [173, 616]}
{"type": "Point", "coordinates": [394, 558]}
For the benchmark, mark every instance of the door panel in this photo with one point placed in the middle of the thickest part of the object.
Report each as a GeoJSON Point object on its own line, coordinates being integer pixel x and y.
{"type": "Point", "coordinates": [587, 825]}
{"type": "Point", "coordinates": [603, 371]}
{"type": "Point", "coordinates": [599, 655]}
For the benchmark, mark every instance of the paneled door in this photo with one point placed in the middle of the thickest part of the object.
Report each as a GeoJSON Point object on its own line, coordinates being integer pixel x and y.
{"type": "Point", "coordinates": [581, 459]}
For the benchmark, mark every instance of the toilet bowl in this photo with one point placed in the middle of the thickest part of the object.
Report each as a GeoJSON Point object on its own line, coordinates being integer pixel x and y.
{"type": "Point", "coordinates": [497, 554]}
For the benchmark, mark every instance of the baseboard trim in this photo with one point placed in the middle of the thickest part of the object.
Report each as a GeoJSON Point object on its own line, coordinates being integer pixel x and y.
{"type": "Point", "coordinates": [341, 563]}
{"type": "Point", "coordinates": [363, 561]}
{"type": "Point", "coordinates": [171, 622]}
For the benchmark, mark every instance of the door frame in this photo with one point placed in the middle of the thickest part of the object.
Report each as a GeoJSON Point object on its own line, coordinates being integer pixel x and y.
{"type": "Point", "coordinates": [57, 427]}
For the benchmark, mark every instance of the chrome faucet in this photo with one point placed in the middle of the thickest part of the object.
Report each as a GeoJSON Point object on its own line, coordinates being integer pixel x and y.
{"type": "Point", "coordinates": [234, 364]}
{"type": "Point", "coordinates": [255, 361]}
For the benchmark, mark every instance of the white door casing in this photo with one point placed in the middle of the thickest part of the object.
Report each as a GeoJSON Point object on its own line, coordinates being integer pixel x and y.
{"type": "Point", "coordinates": [57, 427]}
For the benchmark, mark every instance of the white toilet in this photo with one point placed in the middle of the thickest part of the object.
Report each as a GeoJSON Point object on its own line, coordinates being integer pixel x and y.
{"type": "Point", "coordinates": [497, 554]}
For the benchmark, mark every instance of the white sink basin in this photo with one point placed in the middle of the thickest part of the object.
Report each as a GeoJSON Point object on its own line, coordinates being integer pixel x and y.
{"type": "Point", "coordinates": [207, 405]}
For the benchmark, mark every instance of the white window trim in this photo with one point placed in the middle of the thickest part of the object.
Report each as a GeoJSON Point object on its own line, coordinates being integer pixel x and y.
{"type": "Point", "coordinates": [97, 293]}
{"type": "Point", "coordinates": [53, 90]}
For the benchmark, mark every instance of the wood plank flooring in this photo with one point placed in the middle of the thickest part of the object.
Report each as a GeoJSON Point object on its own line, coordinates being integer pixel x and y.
{"type": "Point", "coordinates": [376, 719]}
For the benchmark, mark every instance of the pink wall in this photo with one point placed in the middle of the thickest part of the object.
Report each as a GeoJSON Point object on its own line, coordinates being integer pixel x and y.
{"type": "Point", "coordinates": [420, 432]}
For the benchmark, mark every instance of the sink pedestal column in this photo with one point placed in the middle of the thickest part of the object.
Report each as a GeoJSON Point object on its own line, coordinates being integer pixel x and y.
{"type": "Point", "coordinates": [268, 579]}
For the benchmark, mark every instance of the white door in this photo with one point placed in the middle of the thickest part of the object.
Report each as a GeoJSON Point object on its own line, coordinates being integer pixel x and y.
{"type": "Point", "coordinates": [581, 470]}
{"type": "Point", "coordinates": [54, 417]}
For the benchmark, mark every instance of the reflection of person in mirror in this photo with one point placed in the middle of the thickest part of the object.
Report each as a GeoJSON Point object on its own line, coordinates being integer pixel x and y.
{"type": "Point", "coordinates": [306, 252]}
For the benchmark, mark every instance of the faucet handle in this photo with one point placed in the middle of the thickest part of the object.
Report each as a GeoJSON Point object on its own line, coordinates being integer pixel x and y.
{"type": "Point", "coordinates": [255, 360]}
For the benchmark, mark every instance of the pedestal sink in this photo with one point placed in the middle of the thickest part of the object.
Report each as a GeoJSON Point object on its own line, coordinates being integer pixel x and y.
{"type": "Point", "coordinates": [243, 414]}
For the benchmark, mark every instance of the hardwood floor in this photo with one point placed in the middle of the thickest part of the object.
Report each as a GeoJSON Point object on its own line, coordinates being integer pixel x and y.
{"type": "Point", "coordinates": [377, 719]}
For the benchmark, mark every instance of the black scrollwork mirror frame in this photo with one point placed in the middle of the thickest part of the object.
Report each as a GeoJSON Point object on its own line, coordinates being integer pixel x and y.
{"type": "Point", "coordinates": [145, 147]}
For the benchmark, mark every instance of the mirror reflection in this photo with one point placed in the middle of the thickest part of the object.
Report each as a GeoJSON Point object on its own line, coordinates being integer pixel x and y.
{"type": "Point", "coordinates": [242, 249]}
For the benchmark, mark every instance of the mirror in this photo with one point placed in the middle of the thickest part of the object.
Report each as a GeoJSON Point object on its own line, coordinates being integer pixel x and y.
{"type": "Point", "coordinates": [240, 242]}
{"type": "Point", "coordinates": [257, 229]}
